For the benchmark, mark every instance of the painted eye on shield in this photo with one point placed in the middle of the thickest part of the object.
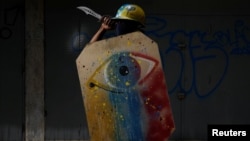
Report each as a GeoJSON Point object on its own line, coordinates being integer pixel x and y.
{"type": "Point", "coordinates": [122, 71]}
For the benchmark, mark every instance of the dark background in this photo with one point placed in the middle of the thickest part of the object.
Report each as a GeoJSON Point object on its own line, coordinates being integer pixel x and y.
{"type": "Point", "coordinates": [205, 51]}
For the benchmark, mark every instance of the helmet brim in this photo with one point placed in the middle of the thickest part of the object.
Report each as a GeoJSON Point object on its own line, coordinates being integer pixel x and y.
{"type": "Point", "coordinates": [124, 18]}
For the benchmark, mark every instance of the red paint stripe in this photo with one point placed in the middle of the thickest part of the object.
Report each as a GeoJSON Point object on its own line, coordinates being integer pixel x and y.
{"type": "Point", "coordinates": [158, 107]}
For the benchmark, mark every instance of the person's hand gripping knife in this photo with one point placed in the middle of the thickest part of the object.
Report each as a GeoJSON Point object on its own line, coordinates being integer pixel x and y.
{"type": "Point", "coordinates": [107, 24]}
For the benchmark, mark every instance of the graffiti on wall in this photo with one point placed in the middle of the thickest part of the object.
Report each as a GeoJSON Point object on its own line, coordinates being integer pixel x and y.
{"type": "Point", "coordinates": [124, 90]}
{"type": "Point", "coordinates": [220, 44]}
{"type": "Point", "coordinates": [9, 18]}
{"type": "Point", "coordinates": [211, 45]}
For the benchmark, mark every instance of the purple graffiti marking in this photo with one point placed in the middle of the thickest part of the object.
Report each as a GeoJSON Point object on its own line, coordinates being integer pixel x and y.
{"type": "Point", "coordinates": [10, 16]}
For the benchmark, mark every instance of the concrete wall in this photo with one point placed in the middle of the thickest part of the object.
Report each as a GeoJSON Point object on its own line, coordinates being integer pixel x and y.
{"type": "Point", "coordinates": [205, 52]}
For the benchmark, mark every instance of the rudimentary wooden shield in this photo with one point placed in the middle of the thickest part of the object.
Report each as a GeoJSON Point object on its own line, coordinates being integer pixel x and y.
{"type": "Point", "coordinates": [124, 90]}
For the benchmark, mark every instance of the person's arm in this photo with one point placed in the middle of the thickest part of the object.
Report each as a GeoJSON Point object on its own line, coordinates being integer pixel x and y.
{"type": "Point", "coordinates": [98, 35]}
{"type": "Point", "coordinates": [107, 24]}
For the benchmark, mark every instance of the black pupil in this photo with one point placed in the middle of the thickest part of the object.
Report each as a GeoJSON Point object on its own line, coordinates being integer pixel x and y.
{"type": "Point", "coordinates": [124, 70]}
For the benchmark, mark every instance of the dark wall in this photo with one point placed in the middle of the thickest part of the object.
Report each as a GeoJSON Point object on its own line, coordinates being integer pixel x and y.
{"type": "Point", "coordinates": [11, 69]}
{"type": "Point", "coordinates": [204, 49]}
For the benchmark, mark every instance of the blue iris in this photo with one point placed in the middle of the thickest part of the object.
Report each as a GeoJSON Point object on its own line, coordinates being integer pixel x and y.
{"type": "Point", "coordinates": [123, 71]}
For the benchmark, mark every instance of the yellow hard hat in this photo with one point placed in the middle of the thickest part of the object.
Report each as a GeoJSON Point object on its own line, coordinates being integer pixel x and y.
{"type": "Point", "coordinates": [131, 12]}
